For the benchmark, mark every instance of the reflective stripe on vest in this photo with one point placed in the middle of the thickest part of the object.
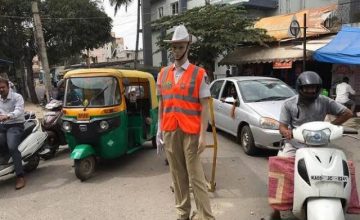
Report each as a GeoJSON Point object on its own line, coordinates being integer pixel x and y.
{"type": "Point", "coordinates": [181, 106]}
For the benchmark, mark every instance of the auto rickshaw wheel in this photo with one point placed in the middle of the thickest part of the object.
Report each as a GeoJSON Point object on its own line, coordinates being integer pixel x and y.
{"type": "Point", "coordinates": [84, 168]}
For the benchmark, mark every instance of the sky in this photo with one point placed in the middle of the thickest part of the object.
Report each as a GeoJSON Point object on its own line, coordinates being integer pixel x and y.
{"type": "Point", "coordinates": [124, 23]}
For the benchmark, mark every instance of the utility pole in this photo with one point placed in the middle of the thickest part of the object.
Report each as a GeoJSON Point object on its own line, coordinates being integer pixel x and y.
{"type": "Point", "coordinates": [304, 48]}
{"type": "Point", "coordinates": [137, 35]}
{"type": "Point", "coordinates": [42, 50]}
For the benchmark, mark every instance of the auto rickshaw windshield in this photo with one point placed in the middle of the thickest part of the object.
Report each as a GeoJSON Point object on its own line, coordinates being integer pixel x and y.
{"type": "Point", "coordinates": [92, 92]}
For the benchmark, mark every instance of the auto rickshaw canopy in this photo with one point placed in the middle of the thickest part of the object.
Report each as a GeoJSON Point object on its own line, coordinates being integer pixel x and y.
{"type": "Point", "coordinates": [133, 76]}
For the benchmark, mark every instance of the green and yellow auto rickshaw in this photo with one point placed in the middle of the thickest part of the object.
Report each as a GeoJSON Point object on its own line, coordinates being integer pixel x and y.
{"type": "Point", "coordinates": [107, 113]}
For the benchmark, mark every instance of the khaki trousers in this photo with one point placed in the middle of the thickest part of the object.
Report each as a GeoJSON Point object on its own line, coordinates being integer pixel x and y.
{"type": "Point", "coordinates": [184, 162]}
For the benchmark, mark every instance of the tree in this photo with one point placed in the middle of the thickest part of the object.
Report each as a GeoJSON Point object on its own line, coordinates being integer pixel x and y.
{"type": "Point", "coordinates": [17, 41]}
{"type": "Point", "coordinates": [219, 29]}
{"type": "Point", "coordinates": [118, 3]}
{"type": "Point", "coordinates": [69, 27]}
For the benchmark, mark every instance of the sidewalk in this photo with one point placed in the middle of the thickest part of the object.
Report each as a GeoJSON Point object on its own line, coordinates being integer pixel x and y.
{"type": "Point", "coordinates": [36, 108]}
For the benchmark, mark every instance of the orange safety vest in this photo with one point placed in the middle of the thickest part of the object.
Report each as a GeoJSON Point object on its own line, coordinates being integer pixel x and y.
{"type": "Point", "coordinates": [180, 101]}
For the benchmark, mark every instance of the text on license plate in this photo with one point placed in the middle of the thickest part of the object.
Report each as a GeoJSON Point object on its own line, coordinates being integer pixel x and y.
{"type": "Point", "coordinates": [330, 178]}
{"type": "Point", "coordinates": [83, 116]}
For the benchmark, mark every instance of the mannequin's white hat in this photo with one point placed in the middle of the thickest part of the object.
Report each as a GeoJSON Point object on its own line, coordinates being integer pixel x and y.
{"type": "Point", "coordinates": [181, 35]}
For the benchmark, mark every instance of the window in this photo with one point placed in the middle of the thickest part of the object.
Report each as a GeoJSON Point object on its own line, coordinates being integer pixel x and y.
{"type": "Point", "coordinates": [215, 89]}
{"type": "Point", "coordinates": [288, 6]}
{"type": "Point", "coordinates": [161, 12]}
{"type": "Point", "coordinates": [175, 8]}
{"type": "Point", "coordinates": [92, 92]}
{"type": "Point", "coordinates": [264, 90]}
{"type": "Point", "coordinates": [229, 91]}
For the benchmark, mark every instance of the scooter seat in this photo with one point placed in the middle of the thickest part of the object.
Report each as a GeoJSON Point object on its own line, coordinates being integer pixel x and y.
{"type": "Point", "coordinates": [29, 115]}
{"type": "Point", "coordinates": [28, 127]}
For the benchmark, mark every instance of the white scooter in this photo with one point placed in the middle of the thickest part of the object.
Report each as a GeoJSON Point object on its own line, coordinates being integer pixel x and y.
{"type": "Point", "coordinates": [29, 147]}
{"type": "Point", "coordinates": [322, 180]}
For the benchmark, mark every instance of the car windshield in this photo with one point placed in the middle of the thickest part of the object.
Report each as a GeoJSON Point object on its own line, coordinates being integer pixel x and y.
{"type": "Point", "coordinates": [92, 92]}
{"type": "Point", "coordinates": [264, 90]}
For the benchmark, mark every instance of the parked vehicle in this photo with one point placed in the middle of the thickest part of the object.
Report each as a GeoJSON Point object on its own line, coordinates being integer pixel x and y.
{"type": "Point", "coordinates": [105, 117]}
{"type": "Point", "coordinates": [51, 124]}
{"type": "Point", "coordinates": [258, 102]}
{"type": "Point", "coordinates": [29, 148]}
{"type": "Point", "coordinates": [322, 180]}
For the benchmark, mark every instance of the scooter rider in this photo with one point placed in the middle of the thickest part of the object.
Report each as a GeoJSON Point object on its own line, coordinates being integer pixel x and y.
{"type": "Point", "coordinates": [12, 128]}
{"type": "Point", "coordinates": [307, 106]}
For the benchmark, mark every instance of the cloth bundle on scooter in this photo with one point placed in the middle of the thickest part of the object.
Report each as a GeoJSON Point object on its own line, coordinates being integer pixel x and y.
{"type": "Point", "coordinates": [281, 185]}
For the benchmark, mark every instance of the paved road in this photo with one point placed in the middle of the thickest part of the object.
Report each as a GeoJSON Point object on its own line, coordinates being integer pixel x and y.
{"type": "Point", "coordinates": [136, 187]}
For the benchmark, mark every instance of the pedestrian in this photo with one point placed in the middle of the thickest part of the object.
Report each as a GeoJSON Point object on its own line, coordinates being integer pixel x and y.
{"type": "Point", "coordinates": [227, 73]}
{"type": "Point", "coordinates": [343, 90]}
{"type": "Point", "coordinates": [11, 128]}
{"type": "Point", "coordinates": [183, 90]}
{"type": "Point", "coordinates": [307, 106]}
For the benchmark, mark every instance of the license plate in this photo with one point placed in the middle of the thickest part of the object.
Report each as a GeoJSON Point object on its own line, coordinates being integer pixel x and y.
{"type": "Point", "coordinates": [83, 117]}
{"type": "Point", "coordinates": [330, 178]}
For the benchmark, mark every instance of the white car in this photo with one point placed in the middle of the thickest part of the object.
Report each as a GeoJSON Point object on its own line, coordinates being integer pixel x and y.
{"type": "Point", "coordinates": [254, 119]}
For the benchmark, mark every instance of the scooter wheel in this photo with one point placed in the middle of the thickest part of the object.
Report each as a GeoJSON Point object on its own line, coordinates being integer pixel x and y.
{"type": "Point", "coordinates": [32, 163]}
{"type": "Point", "coordinates": [84, 168]}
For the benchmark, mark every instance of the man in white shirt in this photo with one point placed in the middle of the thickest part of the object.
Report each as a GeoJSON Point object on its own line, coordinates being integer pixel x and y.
{"type": "Point", "coordinates": [343, 90]}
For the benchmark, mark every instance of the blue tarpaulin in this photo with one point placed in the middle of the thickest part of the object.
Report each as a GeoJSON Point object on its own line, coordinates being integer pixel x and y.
{"type": "Point", "coordinates": [344, 48]}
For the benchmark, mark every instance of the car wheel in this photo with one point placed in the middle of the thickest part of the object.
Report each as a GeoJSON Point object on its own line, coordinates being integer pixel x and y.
{"type": "Point", "coordinates": [247, 141]}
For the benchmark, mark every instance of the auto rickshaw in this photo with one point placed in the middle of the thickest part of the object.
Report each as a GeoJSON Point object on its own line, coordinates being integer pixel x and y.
{"type": "Point", "coordinates": [107, 113]}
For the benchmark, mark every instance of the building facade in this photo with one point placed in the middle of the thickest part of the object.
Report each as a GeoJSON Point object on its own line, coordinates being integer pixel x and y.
{"type": "Point", "coordinates": [160, 8]}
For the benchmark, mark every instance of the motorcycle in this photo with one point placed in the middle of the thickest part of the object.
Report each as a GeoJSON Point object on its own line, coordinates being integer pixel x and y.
{"type": "Point", "coordinates": [322, 180]}
{"type": "Point", "coordinates": [51, 124]}
{"type": "Point", "coordinates": [29, 148]}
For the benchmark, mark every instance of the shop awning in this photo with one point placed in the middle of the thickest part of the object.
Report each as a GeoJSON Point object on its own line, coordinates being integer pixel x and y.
{"type": "Point", "coordinates": [259, 54]}
{"type": "Point", "coordinates": [344, 48]}
{"type": "Point", "coordinates": [315, 44]}
{"type": "Point", "coordinates": [278, 26]}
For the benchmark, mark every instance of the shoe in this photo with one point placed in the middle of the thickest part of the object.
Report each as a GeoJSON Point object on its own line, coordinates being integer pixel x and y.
{"type": "Point", "coordinates": [20, 183]}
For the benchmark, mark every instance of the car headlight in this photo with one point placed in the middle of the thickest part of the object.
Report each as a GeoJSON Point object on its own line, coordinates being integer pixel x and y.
{"type": "Point", "coordinates": [321, 137]}
{"type": "Point", "coordinates": [66, 126]}
{"type": "Point", "coordinates": [269, 123]}
{"type": "Point", "coordinates": [104, 125]}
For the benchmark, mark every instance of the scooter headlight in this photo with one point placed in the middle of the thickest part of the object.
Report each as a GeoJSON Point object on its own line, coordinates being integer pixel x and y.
{"type": "Point", "coordinates": [66, 126]}
{"type": "Point", "coordinates": [321, 137]}
{"type": "Point", "coordinates": [104, 125]}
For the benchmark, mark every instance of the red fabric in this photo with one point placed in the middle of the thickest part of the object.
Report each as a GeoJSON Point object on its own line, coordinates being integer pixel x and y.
{"type": "Point", "coordinates": [281, 182]}
{"type": "Point", "coordinates": [281, 185]}
{"type": "Point", "coordinates": [353, 207]}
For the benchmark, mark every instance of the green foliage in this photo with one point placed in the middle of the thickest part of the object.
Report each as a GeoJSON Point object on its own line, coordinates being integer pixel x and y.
{"type": "Point", "coordinates": [15, 36]}
{"type": "Point", "coordinates": [219, 29]}
{"type": "Point", "coordinates": [118, 3]}
{"type": "Point", "coordinates": [71, 26]}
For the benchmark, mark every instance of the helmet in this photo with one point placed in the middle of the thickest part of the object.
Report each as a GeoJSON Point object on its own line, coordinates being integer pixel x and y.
{"type": "Point", "coordinates": [308, 78]}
